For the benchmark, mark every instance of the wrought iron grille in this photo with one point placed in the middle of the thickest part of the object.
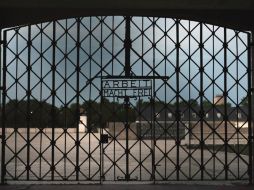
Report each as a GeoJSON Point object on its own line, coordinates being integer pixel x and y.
{"type": "Point", "coordinates": [58, 124]}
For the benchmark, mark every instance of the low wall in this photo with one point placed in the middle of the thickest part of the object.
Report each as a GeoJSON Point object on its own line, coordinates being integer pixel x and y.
{"type": "Point", "coordinates": [117, 130]}
{"type": "Point", "coordinates": [192, 137]}
{"type": "Point", "coordinates": [36, 130]}
{"type": "Point", "coordinates": [214, 133]}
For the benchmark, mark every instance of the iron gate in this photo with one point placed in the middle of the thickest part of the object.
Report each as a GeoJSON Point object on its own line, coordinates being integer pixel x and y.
{"type": "Point", "coordinates": [58, 122]}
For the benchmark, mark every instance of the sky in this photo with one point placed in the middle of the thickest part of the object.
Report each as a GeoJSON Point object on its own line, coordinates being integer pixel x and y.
{"type": "Point", "coordinates": [153, 46]}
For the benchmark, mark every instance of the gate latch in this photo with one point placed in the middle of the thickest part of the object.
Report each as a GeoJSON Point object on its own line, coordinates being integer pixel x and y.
{"type": "Point", "coordinates": [104, 138]}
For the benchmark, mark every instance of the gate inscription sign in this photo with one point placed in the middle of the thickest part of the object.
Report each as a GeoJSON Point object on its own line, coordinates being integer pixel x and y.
{"type": "Point", "coordinates": [131, 87]}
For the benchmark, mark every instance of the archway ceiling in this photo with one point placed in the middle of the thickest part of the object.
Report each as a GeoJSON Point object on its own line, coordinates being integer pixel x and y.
{"type": "Point", "coordinates": [238, 14]}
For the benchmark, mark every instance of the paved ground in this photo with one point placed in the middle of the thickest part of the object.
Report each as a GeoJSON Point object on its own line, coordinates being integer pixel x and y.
{"type": "Point", "coordinates": [140, 151]}
{"type": "Point", "coordinates": [128, 187]}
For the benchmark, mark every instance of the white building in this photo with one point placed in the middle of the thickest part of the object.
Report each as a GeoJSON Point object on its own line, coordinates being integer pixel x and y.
{"type": "Point", "coordinates": [82, 123]}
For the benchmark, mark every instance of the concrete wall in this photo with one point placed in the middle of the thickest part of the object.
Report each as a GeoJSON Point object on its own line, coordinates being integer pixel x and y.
{"type": "Point", "coordinates": [218, 136]}
{"type": "Point", "coordinates": [117, 130]}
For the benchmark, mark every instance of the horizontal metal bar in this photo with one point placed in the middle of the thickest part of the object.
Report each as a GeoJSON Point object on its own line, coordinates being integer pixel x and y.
{"type": "Point", "coordinates": [130, 88]}
{"type": "Point", "coordinates": [136, 77]}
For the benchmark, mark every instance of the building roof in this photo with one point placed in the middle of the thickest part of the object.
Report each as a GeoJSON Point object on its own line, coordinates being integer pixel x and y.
{"type": "Point", "coordinates": [193, 114]}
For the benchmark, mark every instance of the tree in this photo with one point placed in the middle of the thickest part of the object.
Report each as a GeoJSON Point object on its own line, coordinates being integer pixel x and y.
{"type": "Point", "coordinates": [21, 113]}
{"type": "Point", "coordinates": [244, 101]}
{"type": "Point", "coordinates": [193, 102]}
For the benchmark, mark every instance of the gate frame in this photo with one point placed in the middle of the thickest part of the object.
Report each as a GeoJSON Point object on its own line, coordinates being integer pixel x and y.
{"type": "Point", "coordinates": [3, 70]}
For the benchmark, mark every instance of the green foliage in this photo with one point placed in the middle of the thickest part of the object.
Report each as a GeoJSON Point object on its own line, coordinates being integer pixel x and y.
{"type": "Point", "coordinates": [187, 103]}
{"type": "Point", "coordinates": [21, 114]}
{"type": "Point", "coordinates": [222, 105]}
{"type": "Point", "coordinates": [193, 102]}
{"type": "Point", "coordinates": [207, 104]}
{"type": "Point", "coordinates": [99, 114]}
{"type": "Point", "coordinates": [244, 101]}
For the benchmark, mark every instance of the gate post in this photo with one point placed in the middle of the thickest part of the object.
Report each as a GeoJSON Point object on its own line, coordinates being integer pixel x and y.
{"type": "Point", "coordinates": [1, 128]}
{"type": "Point", "coordinates": [252, 103]}
{"type": "Point", "coordinates": [2, 101]}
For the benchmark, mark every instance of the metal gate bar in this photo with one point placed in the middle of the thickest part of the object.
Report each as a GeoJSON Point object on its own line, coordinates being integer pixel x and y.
{"type": "Point", "coordinates": [3, 167]}
{"type": "Point", "coordinates": [177, 100]}
{"type": "Point", "coordinates": [78, 94]}
{"type": "Point", "coordinates": [251, 103]}
{"type": "Point", "coordinates": [201, 104]}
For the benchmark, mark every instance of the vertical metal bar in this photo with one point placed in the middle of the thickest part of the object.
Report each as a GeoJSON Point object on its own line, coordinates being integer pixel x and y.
{"type": "Point", "coordinates": [225, 104]}
{"type": "Point", "coordinates": [127, 45]}
{"type": "Point", "coordinates": [139, 99]}
{"type": "Point", "coordinates": [78, 114]}
{"type": "Point", "coordinates": [3, 166]}
{"type": "Point", "coordinates": [251, 105]}
{"type": "Point", "coordinates": [100, 111]}
{"type": "Point", "coordinates": [177, 100]}
{"type": "Point", "coordinates": [126, 102]}
{"type": "Point", "coordinates": [189, 123]}
{"type": "Point", "coordinates": [237, 102]}
{"type": "Point", "coordinates": [101, 144]}
{"type": "Point", "coordinates": [139, 135]}
{"type": "Point", "coordinates": [53, 93]}
{"type": "Point", "coordinates": [142, 46]}
{"type": "Point", "coordinates": [127, 69]}
{"type": "Point", "coordinates": [90, 102]}
{"type": "Point", "coordinates": [201, 94]}
{"type": "Point", "coordinates": [1, 85]}
{"type": "Point", "coordinates": [1, 81]}
{"type": "Point", "coordinates": [114, 108]}
{"type": "Point", "coordinates": [152, 124]}
{"type": "Point", "coordinates": [153, 140]}
{"type": "Point", "coordinates": [28, 111]}
{"type": "Point", "coordinates": [16, 128]}
{"type": "Point", "coordinates": [65, 99]}
{"type": "Point", "coordinates": [41, 89]}
{"type": "Point", "coordinates": [213, 110]}
{"type": "Point", "coordinates": [165, 88]}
